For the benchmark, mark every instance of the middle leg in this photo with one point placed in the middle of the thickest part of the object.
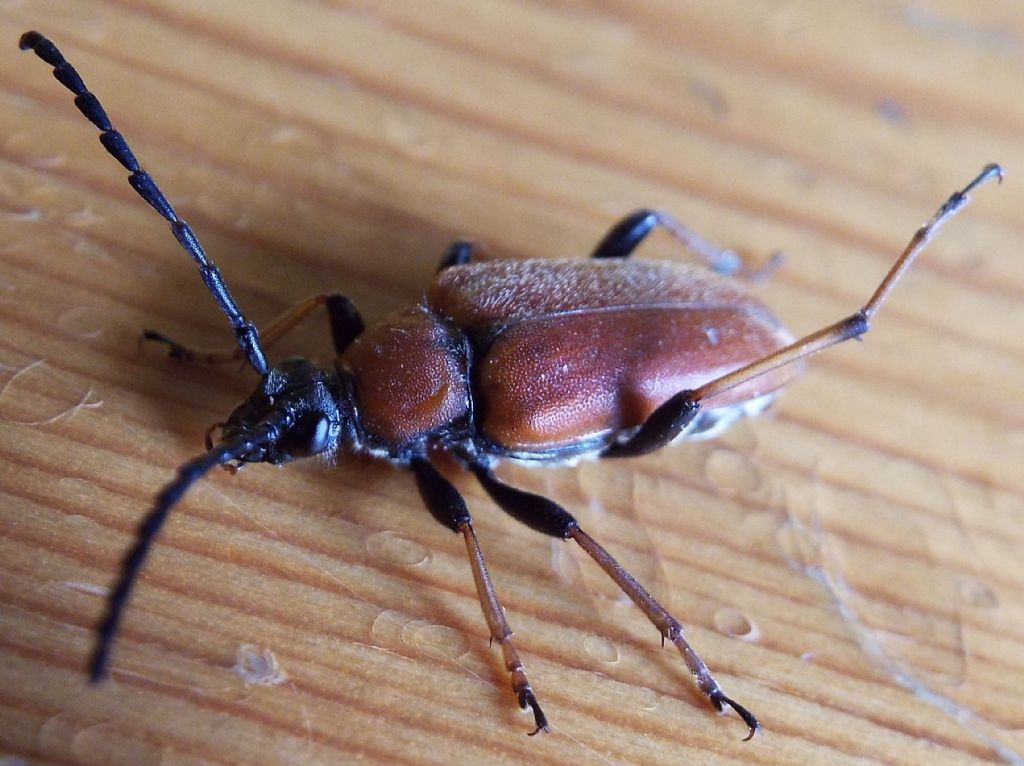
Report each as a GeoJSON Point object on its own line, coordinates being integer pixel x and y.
{"type": "Point", "coordinates": [549, 517]}
{"type": "Point", "coordinates": [459, 252]}
{"type": "Point", "coordinates": [627, 235]}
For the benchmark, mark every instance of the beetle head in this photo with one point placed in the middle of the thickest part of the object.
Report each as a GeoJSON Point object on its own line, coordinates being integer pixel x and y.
{"type": "Point", "coordinates": [301, 402]}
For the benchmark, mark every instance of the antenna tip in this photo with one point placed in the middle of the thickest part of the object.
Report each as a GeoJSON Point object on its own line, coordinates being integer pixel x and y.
{"type": "Point", "coordinates": [30, 40]}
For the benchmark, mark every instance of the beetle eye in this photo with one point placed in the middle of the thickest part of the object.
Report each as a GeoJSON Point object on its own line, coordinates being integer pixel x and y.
{"type": "Point", "coordinates": [309, 436]}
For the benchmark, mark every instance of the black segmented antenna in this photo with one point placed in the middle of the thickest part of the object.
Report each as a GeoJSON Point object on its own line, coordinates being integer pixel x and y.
{"type": "Point", "coordinates": [245, 332]}
{"type": "Point", "coordinates": [268, 432]}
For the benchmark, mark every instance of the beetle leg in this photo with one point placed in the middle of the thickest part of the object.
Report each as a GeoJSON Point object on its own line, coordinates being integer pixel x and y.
{"type": "Point", "coordinates": [547, 516]}
{"type": "Point", "coordinates": [535, 511]}
{"type": "Point", "coordinates": [458, 253]}
{"type": "Point", "coordinates": [661, 427]}
{"type": "Point", "coordinates": [346, 325]}
{"type": "Point", "coordinates": [668, 625]}
{"type": "Point", "coordinates": [447, 506]}
{"type": "Point", "coordinates": [668, 420]}
{"type": "Point", "coordinates": [625, 237]}
{"type": "Point", "coordinates": [858, 323]}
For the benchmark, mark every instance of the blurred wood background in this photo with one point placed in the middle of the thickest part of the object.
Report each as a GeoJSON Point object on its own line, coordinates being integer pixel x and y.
{"type": "Point", "coordinates": [849, 565]}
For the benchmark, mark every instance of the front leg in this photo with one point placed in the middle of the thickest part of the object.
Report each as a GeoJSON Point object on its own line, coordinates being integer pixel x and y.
{"type": "Point", "coordinates": [346, 326]}
{"type": "Point", "coordinates": [447, 506]}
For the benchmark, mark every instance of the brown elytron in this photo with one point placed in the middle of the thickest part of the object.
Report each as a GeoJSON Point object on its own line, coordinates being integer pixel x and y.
{"type": "Point", "coordinates": [540, 360]}
{"type": "Point", "coordinates": [578, 352]}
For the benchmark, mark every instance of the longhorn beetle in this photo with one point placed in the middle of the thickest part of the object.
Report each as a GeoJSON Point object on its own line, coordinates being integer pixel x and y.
{"type": "Point", "coordinates": [541, 361]}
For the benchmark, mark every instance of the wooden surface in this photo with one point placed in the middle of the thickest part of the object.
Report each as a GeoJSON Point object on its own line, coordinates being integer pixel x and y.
{"type": "Point", "coordinates": [848, 564]}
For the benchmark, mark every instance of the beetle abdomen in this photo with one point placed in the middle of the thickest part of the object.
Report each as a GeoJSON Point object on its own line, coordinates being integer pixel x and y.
{"type": "Point", "coordinates": [577, 352]}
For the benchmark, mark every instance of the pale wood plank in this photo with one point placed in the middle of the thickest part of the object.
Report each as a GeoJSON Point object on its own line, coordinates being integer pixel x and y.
{"type": "Point", "coordinates": [862, 538]}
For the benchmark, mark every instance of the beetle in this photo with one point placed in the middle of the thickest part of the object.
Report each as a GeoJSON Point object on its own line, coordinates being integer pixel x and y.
{"type": "Point", "coordinates": [542, 361]}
